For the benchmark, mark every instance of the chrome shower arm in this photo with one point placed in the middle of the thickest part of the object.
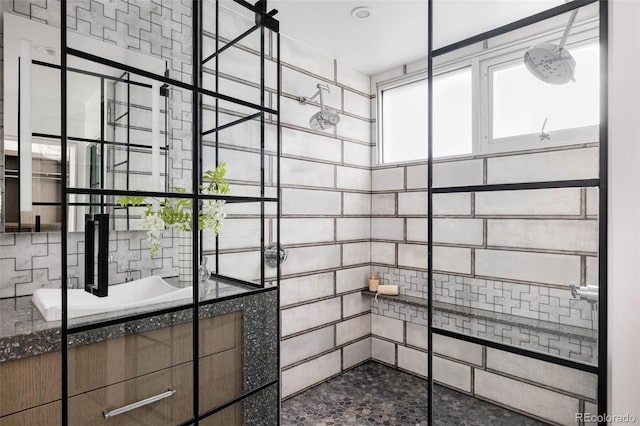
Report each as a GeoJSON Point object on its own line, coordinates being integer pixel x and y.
{"type": "Point", "coordinates": [304, 100]}
{"type": "Point", "coordinates": [572, 18]}
{"type": "Point", "coordinates": [320, 89]}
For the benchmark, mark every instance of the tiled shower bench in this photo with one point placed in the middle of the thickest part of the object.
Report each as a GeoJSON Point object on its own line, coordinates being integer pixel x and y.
{"type": "Point", "coordinates": [554, 393]}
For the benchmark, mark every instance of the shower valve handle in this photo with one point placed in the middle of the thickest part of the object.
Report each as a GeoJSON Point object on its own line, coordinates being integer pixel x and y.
{"type": "Point", "coordinates": [274, 254]}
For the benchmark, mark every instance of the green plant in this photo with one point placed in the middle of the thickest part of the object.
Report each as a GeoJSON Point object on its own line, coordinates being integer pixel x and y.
{"type": "Point", "coordinates": [178, 213]}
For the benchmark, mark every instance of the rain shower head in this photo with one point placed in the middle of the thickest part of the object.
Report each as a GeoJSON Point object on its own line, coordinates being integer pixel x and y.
{"type": "Point", "coordinates": [323, 119]}
{"type": "Point", "coordinates": [550, 63]}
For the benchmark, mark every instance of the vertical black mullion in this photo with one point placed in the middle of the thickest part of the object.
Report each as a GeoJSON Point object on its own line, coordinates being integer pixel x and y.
{"type": "Point", "coordinates": [64, 208]}
{"type": "Point", "coordinates": [262, 272]}
{"type": "Point", "coordinates": [217, 89]}
{"type": "Point", "coordinates": [602, 213]}
{"type": "Point", "coordinates": [18, 165]}
{"type": "Point", "coordinates": [430, 210]}
{"type": "Point", "coordinates": [196, 129]}
{"type": "Point", "coordinates": [128, 141]}
{"type": "Point", "coordinates": [278, 268]}
{"type": "Point", "coordinates": [166, 131]}
{"type": "Point", "coordinates": [102, 157]}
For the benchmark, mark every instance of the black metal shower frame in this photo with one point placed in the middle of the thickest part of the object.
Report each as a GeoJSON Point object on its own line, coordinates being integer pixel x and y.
{"type": "Point", "coordinates": [264, 20]}
{"type": "Point", "coordinates": [601, 183]}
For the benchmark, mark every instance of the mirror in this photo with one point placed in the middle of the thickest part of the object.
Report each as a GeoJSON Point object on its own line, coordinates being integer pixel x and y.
{"type": "Point", "coordinates": [117, 126]}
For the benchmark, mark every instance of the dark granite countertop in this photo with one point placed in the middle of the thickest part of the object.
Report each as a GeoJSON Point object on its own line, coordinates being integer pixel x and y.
{"type": "Point", "coordinates": [24, 332]}
{"type": "Point", "coordinates": [520, 321]}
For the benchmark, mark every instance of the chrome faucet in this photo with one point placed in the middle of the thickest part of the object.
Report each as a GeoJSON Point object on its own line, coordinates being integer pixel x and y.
{"type": "Point", "coordinates": [203, 272]}
{"type": "Point", "coordinates": [70, 281]}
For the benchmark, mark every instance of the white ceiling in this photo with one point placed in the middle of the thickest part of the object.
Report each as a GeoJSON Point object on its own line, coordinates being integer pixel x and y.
{"type": "Point", "coordinates": [396, 31]}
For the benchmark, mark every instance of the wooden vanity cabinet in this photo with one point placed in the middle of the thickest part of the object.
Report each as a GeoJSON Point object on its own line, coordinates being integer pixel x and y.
{"type": "Point", "coordinates": [114, 373]}
{"type": "Point", "coordinates": [45, 415]}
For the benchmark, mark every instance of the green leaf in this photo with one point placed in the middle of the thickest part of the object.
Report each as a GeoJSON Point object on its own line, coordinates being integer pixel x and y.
{"type": "Point", "coordinates": [131, 200]}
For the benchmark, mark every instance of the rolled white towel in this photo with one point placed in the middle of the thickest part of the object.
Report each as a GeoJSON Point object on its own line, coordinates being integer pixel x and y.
{"type": "Point", "coordinates": [388, 289]}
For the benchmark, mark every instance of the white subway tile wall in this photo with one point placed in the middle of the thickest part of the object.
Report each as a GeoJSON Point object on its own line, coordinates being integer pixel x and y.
{"type": "Point", "coordinates": [351, 279]}
{"type": "Point", "coordinates": [354, 304]}
{"type": "Point", "coordinates": [416, 335]}
{"type": "Point", "coordinates": [458, 173]}
{"type": "Point", "coordinates": [580, 163]}
{"type": "Point", "coordinates": [304, 317]}
{"type": "Point", "coordinates": [352, 329]}
{"type": "Point", "coordinates": [384, 351]}
{"type": "Point", "coordinates": [305, 375]}
{"type": "Point", "coordinates": [356, 353]}
{"type": "Point", "coordinates": [326, 225]}
{"type": "Point", "coordinates": [307, 345]}
{"type": "Point", "coordinates": [460, 350]}
{"type": "Point", "coordinates": [389, 328]}
{"type": "Point", "coordinates": [357, 204]}
{"type": "Point", "coordinates": [306, 288]}
{"type": "Point", "coordinates": [413, 361]}
{"type": "Point", "coordinates": [553, 375]}
{"type": "Point", "coordinates": [452, 373]}
{"type": "Point", "coordinates": [535, 400]}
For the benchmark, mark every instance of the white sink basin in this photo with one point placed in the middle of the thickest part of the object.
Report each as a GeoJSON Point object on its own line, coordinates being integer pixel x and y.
{"type": "Point", "coordinates": [143, 292]}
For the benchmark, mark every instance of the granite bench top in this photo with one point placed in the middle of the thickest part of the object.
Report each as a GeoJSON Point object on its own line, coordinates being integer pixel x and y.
{"type": "Point", "coordinates": [519, 321]}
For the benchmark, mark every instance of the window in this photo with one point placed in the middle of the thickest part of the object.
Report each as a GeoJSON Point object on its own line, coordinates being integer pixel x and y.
{"type": "Point", "coordinates": [404, 122]}
{"type": "Point", "coordinates": [452, 113]}
{"type": "Point", "coordinates": [519, 104]}
{"type": "Point", "coordinates": [486, 101]}
{"type": "Point", "coordinates": [403, 116]}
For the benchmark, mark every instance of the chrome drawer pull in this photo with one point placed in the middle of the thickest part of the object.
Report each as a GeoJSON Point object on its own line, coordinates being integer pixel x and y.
{"type": "Point", "coordinates": [108, 414]}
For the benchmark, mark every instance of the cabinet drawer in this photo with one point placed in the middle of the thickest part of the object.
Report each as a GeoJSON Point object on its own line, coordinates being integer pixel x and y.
{"type": "Point", "coordinates": [28, 382]}
{"type": "Point", "coordinates": [87, 408]}
{"type": "Point", "coordinates": [220, 333]}
{"type": "Point", "coordinates": [112, 361]}
{"type": "Point", "coordinates": [44, 415]}
{"type": "Point", "coordinates": [220, 380]}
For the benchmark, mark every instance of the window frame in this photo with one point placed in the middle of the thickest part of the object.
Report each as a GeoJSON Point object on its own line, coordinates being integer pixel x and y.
{"type": "Point", "coordinates": [492, 63]}
{"type": "Point", "coordinates": [380, 89]}
{"type": "Point", "coordinates": [484, 60]}
{"type": "Point", "coordinates": [405, 79]}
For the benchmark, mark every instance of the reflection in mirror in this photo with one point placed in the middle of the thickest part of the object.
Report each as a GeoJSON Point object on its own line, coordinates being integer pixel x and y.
{"type": "Point", "coordinates": [117, 130]}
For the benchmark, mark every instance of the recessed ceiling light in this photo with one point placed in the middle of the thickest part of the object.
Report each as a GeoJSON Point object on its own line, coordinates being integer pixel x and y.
{"type": "Point", "coordinates": [360, 13]}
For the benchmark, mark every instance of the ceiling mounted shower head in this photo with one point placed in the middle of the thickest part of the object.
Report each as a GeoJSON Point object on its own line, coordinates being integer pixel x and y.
{"type": "Point", "coordinates": [323, 119]}
{"type": "Point", "coordinates": [550, 63]}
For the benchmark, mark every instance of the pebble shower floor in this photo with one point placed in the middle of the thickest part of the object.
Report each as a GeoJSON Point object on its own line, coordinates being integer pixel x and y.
{"type": "Point", "coordinates": [374, 394]}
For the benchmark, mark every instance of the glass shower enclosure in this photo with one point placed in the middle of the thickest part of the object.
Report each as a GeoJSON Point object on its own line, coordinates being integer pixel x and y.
{"type": "Point", "coordinates": [167, 318]}
{"type": "Point", "coordinates": [517, 247]}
